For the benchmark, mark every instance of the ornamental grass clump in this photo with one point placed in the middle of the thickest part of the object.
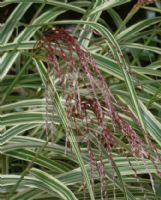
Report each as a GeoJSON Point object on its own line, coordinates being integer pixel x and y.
{"type": "Point", "coordinates": [92, 111]}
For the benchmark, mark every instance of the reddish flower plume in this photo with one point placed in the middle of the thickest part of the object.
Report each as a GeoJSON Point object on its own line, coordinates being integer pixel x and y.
{"type": "Point", "coordinates": [88, 101]}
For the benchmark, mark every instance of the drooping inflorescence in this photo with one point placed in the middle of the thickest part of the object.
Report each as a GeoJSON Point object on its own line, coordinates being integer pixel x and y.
{"type": "Point", "coordinates": [89, 104]}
